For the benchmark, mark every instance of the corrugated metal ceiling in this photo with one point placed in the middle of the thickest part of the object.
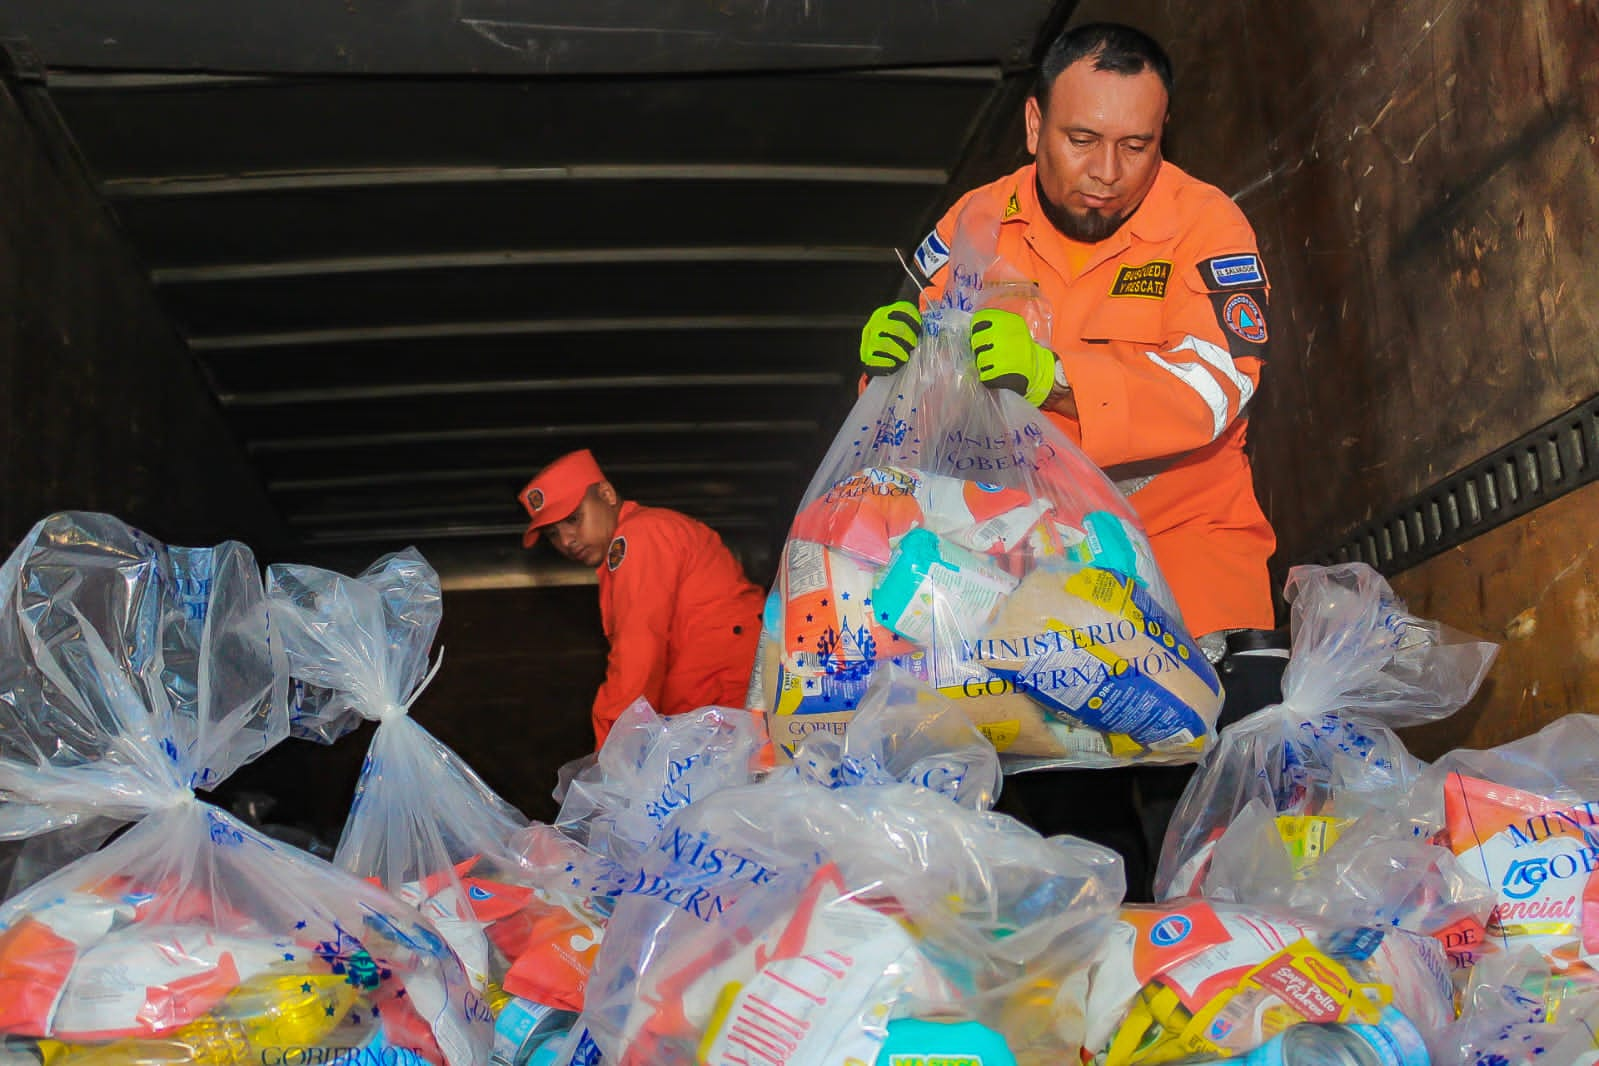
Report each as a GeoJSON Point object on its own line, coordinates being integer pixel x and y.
{"type": "Point", "coordinates": [417, 267]}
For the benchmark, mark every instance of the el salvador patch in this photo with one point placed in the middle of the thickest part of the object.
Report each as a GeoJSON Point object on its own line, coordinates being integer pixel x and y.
{"type": "Point", "coordinates": [1233, 271]}
{"type": "Point", "coordinates": [616, 553]}
{"type": "Point", "coordinates": [931, 254]}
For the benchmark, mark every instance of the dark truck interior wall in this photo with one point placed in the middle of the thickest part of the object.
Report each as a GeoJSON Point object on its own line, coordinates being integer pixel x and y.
{"type": "Point", "coordinates": [105, 409]}
{"type": "Point", "coordinates": [1424, 179]}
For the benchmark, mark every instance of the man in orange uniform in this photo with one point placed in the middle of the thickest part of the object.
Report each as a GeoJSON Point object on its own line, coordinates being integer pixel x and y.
{"type": "Point", "coordinates": [1159, 334]}
{"type": "Point", "coordinates": [682, 620]}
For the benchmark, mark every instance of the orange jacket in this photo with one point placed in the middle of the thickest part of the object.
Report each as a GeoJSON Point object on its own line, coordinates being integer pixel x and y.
{"type": "Point", "coordinates": [1161, 334]}
{"type": "Point", "coordinates": [681, 619]}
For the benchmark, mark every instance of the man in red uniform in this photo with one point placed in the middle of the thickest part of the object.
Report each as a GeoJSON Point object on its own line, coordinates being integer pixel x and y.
{"type": "Point", "coordinates": [1158, 338]}
{"type": "Point", "coordinates": [682, 620]}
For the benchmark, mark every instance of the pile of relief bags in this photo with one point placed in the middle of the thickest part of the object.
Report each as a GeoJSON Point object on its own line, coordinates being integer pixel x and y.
{"type": "Point", "coordinates": [820, 879]}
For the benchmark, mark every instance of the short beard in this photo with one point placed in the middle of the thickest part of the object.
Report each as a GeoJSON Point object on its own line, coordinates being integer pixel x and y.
{"type": "Point", "coordinates": [1090, 228]}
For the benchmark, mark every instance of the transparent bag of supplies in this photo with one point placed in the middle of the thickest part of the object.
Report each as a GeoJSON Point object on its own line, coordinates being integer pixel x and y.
{"type": "Point", "coordinates": [952, 529]}
{"type": "Point", "coordinates": [423, 824]}
{"type": "Point", "coordinates": [1281, 785]}
{"type": "Point", "coordinates": [132, 674]}
{"type": "Point", "coordinates": [1522, 821]}
{"type": "Point", "coordinates": [1197, 981]}
{"type": "Point", "coordinates": [822, 923]}
{"type": "Point", "coordinates": [651, 766]}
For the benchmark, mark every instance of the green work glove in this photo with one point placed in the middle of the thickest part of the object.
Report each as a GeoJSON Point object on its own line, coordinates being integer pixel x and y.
{"type": "Point", "coordinates": [1008, 357]}
{"type": "Point", "coordinates": [889, 336]}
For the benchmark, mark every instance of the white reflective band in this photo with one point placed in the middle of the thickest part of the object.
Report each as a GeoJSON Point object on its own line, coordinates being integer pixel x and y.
{"type": "Point", "coordinates": [1222, 360]}
{"type": "Point", "coordinates": [1200, 380]}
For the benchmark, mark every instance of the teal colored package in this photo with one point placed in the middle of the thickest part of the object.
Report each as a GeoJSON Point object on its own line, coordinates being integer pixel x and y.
{"type": "Point", "coordinates": [897, 586]}
{"type": "Point", "coordinates": [1107, 546]}
{"type": "Point", "coordinates": [927, 576]}
{"type": "Point", "coordinates": [379, 1050]}
{"type": "Point", "coordinates": [915, 1042]}
{"type": "Point", "coordinates": [772, 614]}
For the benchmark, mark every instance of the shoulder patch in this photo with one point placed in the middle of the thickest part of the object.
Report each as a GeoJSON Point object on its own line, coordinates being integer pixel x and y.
{"type": "Point", "coordinates": [1146, 279]}
{"type": "Point", "coordinates": [616, 553]}
{"type": "Point", "coordinates": [1232, 272]}
{"type": "Point", "coordinates": [1013, 206]}
{"type": "Point", "coordinates": [1245, 317]}
{"type": "Point", "coordinates": [931, 254]}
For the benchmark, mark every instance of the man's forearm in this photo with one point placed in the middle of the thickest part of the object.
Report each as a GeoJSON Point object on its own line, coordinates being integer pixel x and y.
{"type": "Point", "coordinates": [1061, 401]}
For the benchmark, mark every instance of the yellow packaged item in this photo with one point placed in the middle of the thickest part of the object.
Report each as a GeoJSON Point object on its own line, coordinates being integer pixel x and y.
{"type": "Point", "coordinates": [1096, 651]}
{"type": "Point", "coordinates": [272, 1011]}
{"type": "Point", "coordinates": [1308, 836]}
{"type": "Point", "coordinates": [1177, 983]}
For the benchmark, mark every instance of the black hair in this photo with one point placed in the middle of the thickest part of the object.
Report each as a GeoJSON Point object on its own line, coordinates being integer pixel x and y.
{"type": "Point", "coordinates": [1113, 47]}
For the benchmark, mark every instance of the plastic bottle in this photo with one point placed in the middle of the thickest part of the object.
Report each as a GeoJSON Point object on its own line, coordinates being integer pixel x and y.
{"type": "Point", "coordinates": [522, 1027]}
{"type": "Point", "coordinates": [1393, 1041]}
{"type": "Point", "coordinates": [269, 1011]}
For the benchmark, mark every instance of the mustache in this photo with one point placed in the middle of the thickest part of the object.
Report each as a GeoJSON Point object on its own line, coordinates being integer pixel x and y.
{"type": "Point", "coordinates": [1089, 227]}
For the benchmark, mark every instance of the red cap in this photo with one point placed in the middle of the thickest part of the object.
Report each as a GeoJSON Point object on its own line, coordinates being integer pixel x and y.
{"type": "Point", "coordinates": [555, 492]}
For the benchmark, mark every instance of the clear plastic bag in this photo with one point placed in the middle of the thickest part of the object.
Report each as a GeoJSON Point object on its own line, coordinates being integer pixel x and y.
{"type": "Point", "coordinates": [953, 529]}
{"type": "Point", "coordinates": [1522, 821]}
{"type": "Point", "coordinates": [1281, 785]}
{"type": "Point", "coordinates": [1196, 980]}
{"type": "Point", "coordinates": [651, 766]}
{"type": "Point", "coordinates": [1516, 1009]}
{"type": "Point", "coordinates": [131, 673]}
{"type": "Point", "coordinates": [358, 647]}
{"type": "Point", "coordinates": [1373, 875]}
{"type": "Point", "coordinates": [904, 732]}
{"type": "Point", "coordinates": [846, 910]}
{"type": "Point", "coordinates": [28, 854]}
{"type": "Point", "coordinates": [423, 824]}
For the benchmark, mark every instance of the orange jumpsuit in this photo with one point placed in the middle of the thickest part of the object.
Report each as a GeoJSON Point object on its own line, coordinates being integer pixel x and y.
{"type": "Point", "coordinates": [682, 620]}
{"type": "Point", "coordinates": [1161, 331]}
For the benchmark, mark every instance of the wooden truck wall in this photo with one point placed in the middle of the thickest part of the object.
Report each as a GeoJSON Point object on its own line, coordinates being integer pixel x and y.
{"type": "Point", "coordinates": [1424, 179]}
